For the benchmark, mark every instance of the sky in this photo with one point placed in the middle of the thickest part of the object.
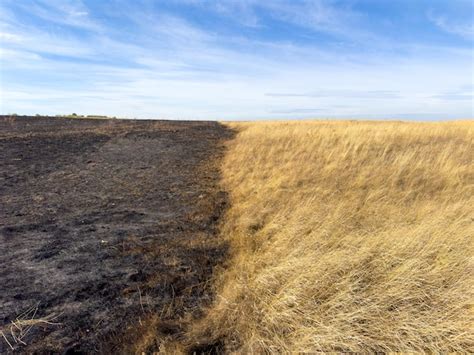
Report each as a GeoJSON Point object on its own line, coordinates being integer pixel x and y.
{"type": "Point", "coordinates": [238, 59]}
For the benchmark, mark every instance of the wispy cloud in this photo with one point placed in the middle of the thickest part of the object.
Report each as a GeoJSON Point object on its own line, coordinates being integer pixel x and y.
{"type": "Point", "coordinates": [463, 93]}
{"type": "Point", "coordinates": [10, 37]}
{"type": "Point", "coordinates": [71, 13]}
{"type": "Point", "coordinates": [371, 94]}
{"type": "Point", "coordinates": [246, 59]}
{"type": "Point", "coordinates": [324, 16]}
{"type": "Point", "coordinates": [465, 30]}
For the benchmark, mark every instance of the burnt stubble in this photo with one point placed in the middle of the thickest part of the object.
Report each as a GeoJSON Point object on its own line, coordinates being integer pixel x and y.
{"type": "Point", "coordinates": [108, 231]}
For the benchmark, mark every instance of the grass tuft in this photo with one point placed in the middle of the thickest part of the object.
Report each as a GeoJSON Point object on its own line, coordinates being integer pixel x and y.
{"type": "Point", "coordinates": [16, 332]}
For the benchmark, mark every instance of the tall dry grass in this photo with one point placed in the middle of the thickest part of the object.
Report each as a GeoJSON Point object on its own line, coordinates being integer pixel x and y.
{"type": "Point", "coordinates": [347, 236]}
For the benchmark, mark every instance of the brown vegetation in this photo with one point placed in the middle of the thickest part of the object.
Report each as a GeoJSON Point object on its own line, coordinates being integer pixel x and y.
{"type": "Point", "coordinates": [346, 236]}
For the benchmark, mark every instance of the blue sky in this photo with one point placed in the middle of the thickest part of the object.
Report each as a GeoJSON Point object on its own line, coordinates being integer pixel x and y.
{"type": "Point", "coordinates": [238, 59]}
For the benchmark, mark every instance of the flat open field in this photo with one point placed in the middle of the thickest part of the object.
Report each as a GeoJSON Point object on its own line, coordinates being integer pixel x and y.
{"type": "Point", "coordinates": [107, 230]}
{"type": "Point", "coordinates": [257, 237]}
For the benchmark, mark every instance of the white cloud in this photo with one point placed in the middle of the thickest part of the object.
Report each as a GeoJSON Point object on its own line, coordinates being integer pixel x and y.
{"type": "Point", "coordinates": [175, 69]}
{"type": "Point", "coordinates": [20, 57]}
{"type": "Point", "coordinates": [65, 12]}
{"type": "Point", "coordinates": [465, 30]}
{"type": "Point", "coordinates": [319, 15]}
{"type": "Point", "coordinates": [10, 37]}
{"type": "Point", "coordinates": [148, 92]}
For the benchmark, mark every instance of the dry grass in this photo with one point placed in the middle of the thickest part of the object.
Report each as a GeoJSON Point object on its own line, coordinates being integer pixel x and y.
{"type": "Point", "coordinates": [347, 236]}
{"type": "Point", "coordinates": [16, 332]}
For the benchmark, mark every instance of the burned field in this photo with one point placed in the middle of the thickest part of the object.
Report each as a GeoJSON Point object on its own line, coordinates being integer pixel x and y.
{"type": "Point", "coordinates": [108, 231]}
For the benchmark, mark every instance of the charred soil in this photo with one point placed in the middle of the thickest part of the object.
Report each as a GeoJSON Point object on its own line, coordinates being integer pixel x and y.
{"type": "Point", "coordinates": [108, 231]}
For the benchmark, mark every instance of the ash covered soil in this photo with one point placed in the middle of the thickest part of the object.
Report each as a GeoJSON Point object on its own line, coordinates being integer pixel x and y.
{"type": "Point", "coordinates": [108, 231]}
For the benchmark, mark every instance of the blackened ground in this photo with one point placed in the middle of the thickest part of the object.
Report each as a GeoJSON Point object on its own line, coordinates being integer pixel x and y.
{"type": "Point", "coordinates": [107, 231]}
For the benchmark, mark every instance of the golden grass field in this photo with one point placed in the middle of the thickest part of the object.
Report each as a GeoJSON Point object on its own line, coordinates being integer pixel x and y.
{"type": "Point", "coordinates": [346, 236]}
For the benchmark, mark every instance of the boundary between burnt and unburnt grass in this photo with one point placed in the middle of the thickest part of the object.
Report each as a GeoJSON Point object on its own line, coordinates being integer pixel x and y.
{"type": "Point", "coordinates": [166, 331]}
{"type": "Point", "coordinates": [345, 237]}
